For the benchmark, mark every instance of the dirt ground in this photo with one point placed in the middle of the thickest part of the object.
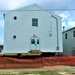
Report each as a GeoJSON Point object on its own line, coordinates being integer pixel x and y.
{"type": "Point", "coordinates": [65, 70]}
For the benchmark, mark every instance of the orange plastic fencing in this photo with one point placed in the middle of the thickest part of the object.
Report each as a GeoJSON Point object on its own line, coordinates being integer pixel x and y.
{"type": "Point", "coordinates": [39, 62]}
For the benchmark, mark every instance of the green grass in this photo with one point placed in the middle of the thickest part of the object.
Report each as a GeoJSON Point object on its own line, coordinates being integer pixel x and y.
{"type": "Point", "coordinates": [41, 73]}
{"type": "Point", "coordinates": [32, 73]}
{"type": "Point", "coordinates": [10, 53]}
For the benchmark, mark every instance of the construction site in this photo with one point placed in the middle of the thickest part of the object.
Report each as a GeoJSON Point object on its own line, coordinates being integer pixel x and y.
{"type": "Point", "coordinates": [15, 62]}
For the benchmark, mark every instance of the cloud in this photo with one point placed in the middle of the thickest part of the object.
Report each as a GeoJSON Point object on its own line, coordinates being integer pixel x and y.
{"type": "Point", "coordinates": [50, 4]}
{"type": "Point", "coordinates": [68, 18]}
{"type": "Point", "coordinates": [1, 23]}
{"type": "Point", "coordinates": [1, 40]}
{"type": "Point", "coordinates": [65, 15]}
{"type": "Point", "coordinates": [16, 4]}
{"type": "Point", "coordinates": [71, 24]}
{"type": "Point", "coordinates": [63, 24]}
{"type": "Point", "coordinates": [68, 24]}
{"type": "Point", "coordinates": [58, 4]}
{"type": "Point", "coordinates": [11, 4]}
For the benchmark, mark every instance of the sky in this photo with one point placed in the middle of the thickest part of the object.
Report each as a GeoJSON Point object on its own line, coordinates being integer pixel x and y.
{"type": "Point", "coordinates": [63, 8]}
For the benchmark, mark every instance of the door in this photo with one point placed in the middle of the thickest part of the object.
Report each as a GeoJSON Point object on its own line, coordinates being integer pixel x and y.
{"type": "Point", "coordinates": [73, 52]}
{"type": "Point", "coordinates": [35, 44]}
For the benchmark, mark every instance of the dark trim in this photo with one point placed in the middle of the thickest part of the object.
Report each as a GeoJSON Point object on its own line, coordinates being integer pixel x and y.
{"type": "Point", "coordinates": [68, 30]}
{"type": "Point", "coordinates": [4, 15]}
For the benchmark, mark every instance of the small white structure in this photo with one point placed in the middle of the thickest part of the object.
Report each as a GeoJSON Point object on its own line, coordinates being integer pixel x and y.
{"type": "Point", "coordinates": [32, 28]}
{"type": "Point", "coordinates": [69, 42]}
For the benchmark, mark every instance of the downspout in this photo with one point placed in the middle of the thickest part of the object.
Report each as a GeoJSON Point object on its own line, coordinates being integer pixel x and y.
{"type": "Point", "coordinates": [57, 32]}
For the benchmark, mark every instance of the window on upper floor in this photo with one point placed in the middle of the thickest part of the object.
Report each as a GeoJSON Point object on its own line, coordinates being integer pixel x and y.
{"type": "Point", "coordinates": [66, 36]}
{"type": "Point", "coordinates": [74, 33]}
{"type": "Point", "coordinates": [34, 22]}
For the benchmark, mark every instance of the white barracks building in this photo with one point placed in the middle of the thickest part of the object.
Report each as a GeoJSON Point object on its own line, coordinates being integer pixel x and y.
{"type": "Point", "coordinates": [32, 28]}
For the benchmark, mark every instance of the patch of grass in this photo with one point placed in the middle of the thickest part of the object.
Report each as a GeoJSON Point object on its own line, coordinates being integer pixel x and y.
{"type": "Point", "coordinates": [48, 72]}
{"type": "Point", "coordinates": [41, 73]}
{"type": "Point", "coordinates": [7, 74]}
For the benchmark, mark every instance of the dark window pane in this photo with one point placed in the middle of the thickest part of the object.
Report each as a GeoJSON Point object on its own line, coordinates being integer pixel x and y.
{"type": "Point", "coordinates": [32, 41]}
{"type": "Point", "coordinates": [37, 41]}
{"type": "Point", "coordinates": [34, 22]}
{"type": "Point", "coordinates": [66, 36]}
{"type": "Point", "coordinates": [73, 33]}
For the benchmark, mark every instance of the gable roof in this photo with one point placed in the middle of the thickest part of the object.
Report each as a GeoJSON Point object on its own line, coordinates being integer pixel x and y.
{"type": "Point", "coordinates": [30, 8]}
{"type": "Point", "coordinates": [68, 30]}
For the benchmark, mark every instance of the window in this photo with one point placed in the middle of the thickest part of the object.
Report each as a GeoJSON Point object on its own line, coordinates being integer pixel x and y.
{"type": "Point", "coordinates": [15, 17]}
{"type": "Point", "coordinates": [73, 33]}
{"type": "Point", "coordinates": [73, 47]}
{"type": "Point", "coordinates": [37, 41]}
{"type": "Point", "coordinates": [34, 22]}
{"type": "Point", "coordinates": [14, 37]}
{"type": "Point", "coordinates": [32, 41]}
{"type": "Point", "coordinates": [66, 36]}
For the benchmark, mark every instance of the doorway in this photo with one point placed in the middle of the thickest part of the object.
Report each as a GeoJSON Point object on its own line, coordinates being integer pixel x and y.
{"type": "Point", "coordinates": [35, 44]}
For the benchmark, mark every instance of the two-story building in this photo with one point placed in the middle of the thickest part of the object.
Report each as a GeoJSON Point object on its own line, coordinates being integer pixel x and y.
{"type": "Point", "coordinates": [69, 42]}
{"type": "Point", "coordinates": [32, 28]}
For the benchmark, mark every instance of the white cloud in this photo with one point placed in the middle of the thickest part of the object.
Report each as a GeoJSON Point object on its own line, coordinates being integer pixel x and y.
{"type": "Point", "coordinates": [1, 40]}
{"type": "Point", "coordinates": [64, 15]}
{"type": "Point", "coordinates": [68, 19]}
{"type": "Point", "coordinates": [50, 4]}
{"type": "Point", "coordinates": [11, 4]}
{"type": "Point", "coordinates": [71, 24]}
{"type": "Point", "coordinates": [16, 3]}
{"type": "Point", "coordinates": [1, 23]}
{"type": "Point", "coordinates": [63, 24]}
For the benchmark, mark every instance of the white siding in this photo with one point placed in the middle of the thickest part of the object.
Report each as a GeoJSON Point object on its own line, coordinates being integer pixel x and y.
{"type": "Point", "coordinates": [23, 29]}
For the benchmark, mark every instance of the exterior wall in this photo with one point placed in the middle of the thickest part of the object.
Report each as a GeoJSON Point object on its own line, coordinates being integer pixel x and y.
{"type": "Point", "coordinates": [23, 29]}
{"type": "Point", "coordinates": [68, 43]}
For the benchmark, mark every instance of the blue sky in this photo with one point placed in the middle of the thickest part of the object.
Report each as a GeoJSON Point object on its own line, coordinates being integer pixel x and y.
{"type": "Point", "coordinates": [65, 10]}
